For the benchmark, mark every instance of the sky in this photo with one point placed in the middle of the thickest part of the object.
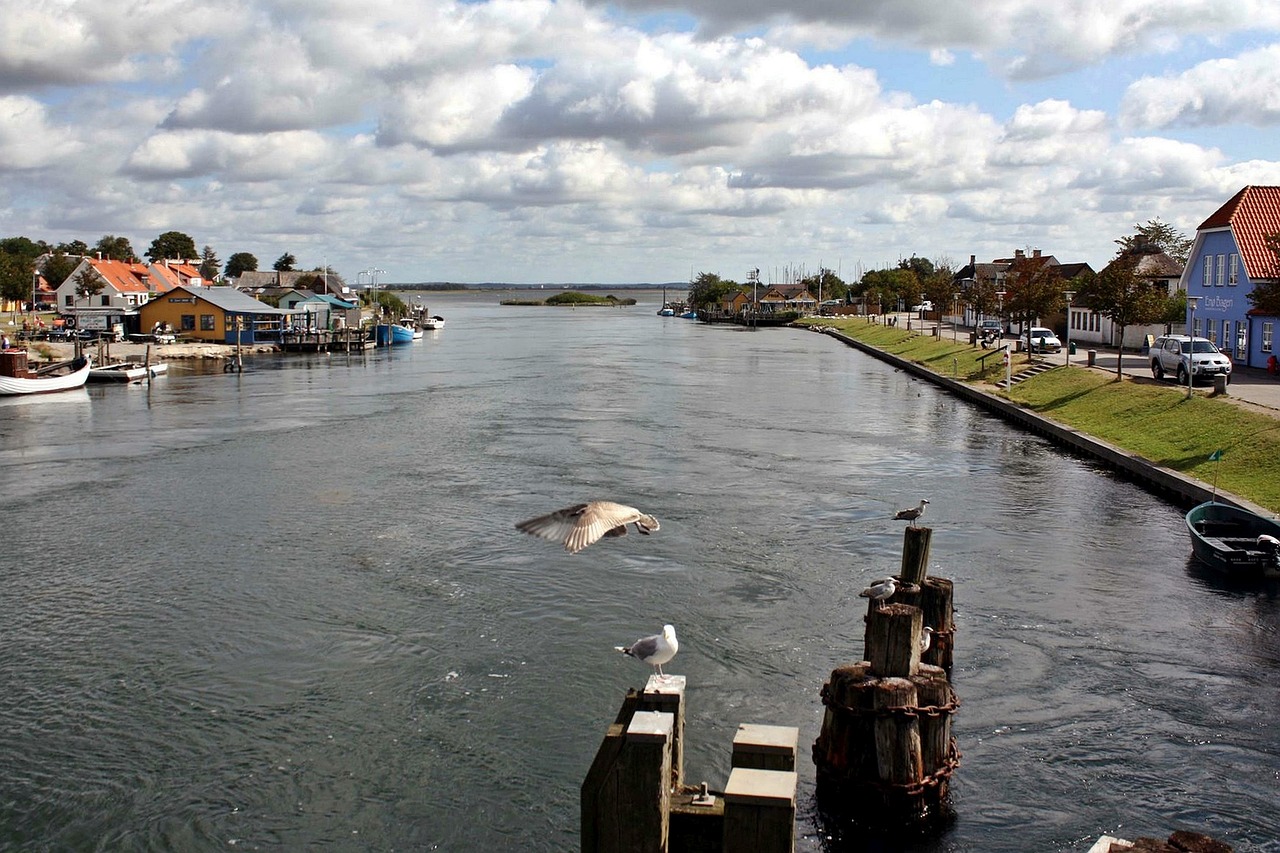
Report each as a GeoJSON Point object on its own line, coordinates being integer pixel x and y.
{"type": "Point", "coordinates": [532, 141]}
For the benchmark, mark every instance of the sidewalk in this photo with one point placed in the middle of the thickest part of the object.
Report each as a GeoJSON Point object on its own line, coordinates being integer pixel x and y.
{"type": "Point", "coordinates": [1249, 385]}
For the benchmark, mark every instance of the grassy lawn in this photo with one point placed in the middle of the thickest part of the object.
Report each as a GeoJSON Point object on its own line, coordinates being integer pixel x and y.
{"type": "Point", "coordinates": [1154, 421]}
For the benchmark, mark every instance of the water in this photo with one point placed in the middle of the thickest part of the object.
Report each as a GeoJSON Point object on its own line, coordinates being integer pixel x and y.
{"type": "Point", "coordinates": [288, 609]}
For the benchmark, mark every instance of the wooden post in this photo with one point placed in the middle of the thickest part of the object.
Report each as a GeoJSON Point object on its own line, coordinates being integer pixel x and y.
{"type": "Point", "coordinates": [893, 639]}
{"type": "Point", "coordinates": [765, 747]}
{"type": "Point", "coordinates": [840, 751]}
{"type": "Point", "coordinates": [915, 554]}
{"type": "Point", "coordinates": [666, 694]}
{"type": "Point", "coordinates": [934, 691]}
{"type": "Point", "coordinates": [759, 811]}
{"type": "Point", "coordinates": [897, 734]}
{"type": "Point", "coordinates": [626, 798]}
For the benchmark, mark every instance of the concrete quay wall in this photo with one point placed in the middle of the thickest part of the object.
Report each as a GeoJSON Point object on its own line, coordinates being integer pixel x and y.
{"type": "Point", "coordinates": [1184, 490]}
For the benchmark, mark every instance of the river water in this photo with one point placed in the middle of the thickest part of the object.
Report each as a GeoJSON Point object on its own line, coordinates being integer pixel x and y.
{"type": "Point", "coordinates": [288, 609]}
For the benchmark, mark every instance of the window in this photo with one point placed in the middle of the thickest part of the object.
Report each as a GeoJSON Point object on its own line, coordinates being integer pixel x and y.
{"type": "Point", "coordinates": [69, 300]}
{"type": "Point", "coordinates": [1195, 329]}
{"type": "Point", "coordinates": [1226, 334]}
{"type": "Point", "coordinates": [1222, 270]}
{"type": "Point", "coordinates": [206, 322]}
{"type": "Point", "coordinates": [1208, 270]}
{"type": "Point", "coordinates": [1234, 278]}
{"type": "Point", "coordinates": [1211, 331]}
{"type": "Point", "coordinates": [1266, 337]}
{"type": "Point", "coordinates": [187, 323]}
{"type": "Point", "coordinates": [1242, 340]}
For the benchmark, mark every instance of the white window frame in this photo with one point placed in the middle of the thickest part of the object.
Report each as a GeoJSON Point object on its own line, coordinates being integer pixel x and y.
{"type": "Point", "coordinates": [1195, 329]}
{"type": "Point", "coordinates": [1233, 277]}
{"type": "Point", "coordinates": [1242, 340]}
{"type": "Point", "coordinates": [1208, 270]}
{"type": "Point", "coordinates": [1268, 330]}
{"type": "Point", "coordinates": [1222, 271]}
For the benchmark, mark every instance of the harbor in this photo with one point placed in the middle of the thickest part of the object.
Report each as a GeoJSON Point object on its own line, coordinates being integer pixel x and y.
{"type": "Point", "coordinates": [358, 650]}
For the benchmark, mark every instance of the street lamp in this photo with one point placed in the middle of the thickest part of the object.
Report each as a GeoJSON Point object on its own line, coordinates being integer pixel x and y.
{"type": "Point", "coordinates": [1192, 301]}
{"type": "Point", "coordinates": [1069, 294]}
{"type": "Point", "coordinates": [954, 298]}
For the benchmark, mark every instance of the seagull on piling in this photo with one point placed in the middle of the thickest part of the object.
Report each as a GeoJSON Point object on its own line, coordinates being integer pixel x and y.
{"type": "Point", "coordinates": [580, 525]}
{"type": "Point", "coordinates": [655, 650]}
{"type": "Point", "coordinates": [913, 513]}
{"type": "Point", "coordinates": [926, 638]}
{"type": "Point", "coordinates": [880, 591]}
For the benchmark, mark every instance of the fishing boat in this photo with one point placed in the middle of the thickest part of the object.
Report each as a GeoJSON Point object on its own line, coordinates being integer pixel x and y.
{"type": "Point", "coordinates": [397, 334]}
{"type": "Point", "coordinates": [126, 371]}
{"type": "Point", "coordinates": [413, 326]}
{"type": "Point", "coordinates": [1235, 541]}
{"type": "Point", "coordinates": [16, 378]}
{"type": "Point", "coordinates": [432, 323]}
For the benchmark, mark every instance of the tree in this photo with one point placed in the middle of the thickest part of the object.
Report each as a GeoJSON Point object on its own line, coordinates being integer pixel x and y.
{"type": "Point", "coordinates": [826, 285]}
{"type": "Point", "coordinates": [887, 288]}
{"type": "Point", "coordinates": [88, 283]}
{"type": "Point", "coordinates": [74, 247]}
{"type": "Point", "coordinates": [708, 289]}
{"type": "Point", "coordinates": [1119, 294]}
{"type": "Point", "coordinates": [240, 262]}
{"type": "Point", "coordinates": [285, 263]}
{"type": "Point", "coordinates": [115, 248]}
{"type": "Point", "coordinates": [1165, 237]}
{"type": "Point", "coordinates": [1033, 288]}
{"type": "Point", "coordinates": [1265, 296]}
{"type": "Point", "coordinates": [172, 244]}
{"type": "Point", "coordinates": [939, 287]}
{"type": "Point", "coordinates": [57, 267]}
{"type": "Point", "coordinates": [15, 277]}
{"type": "Point", "coordinates": [208, 264]}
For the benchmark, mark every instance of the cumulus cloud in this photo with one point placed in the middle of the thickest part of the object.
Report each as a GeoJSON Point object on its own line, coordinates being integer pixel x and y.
{"type": "Point", "coordinates": [27, 139]}
{"type": "Point", "coordinates": [1240, 90]}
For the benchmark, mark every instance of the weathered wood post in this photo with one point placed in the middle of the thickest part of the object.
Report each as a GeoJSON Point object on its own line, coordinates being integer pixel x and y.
{"type": "Point", "coordinates": [666, 694]}
{"type": "Point", "coordinates": [626, 797]}
{"type": "Point", "coordinates": [759, 811]}
{"type": "Point", "coordinates": [886, 749]}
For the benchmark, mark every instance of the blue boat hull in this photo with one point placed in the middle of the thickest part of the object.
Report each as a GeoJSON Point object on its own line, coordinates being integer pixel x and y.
{"type": "Point", "coordinates": [399, 335]}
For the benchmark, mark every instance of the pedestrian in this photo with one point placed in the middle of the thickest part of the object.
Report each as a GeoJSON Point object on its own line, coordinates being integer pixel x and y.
{"type": "Point", "coordinates": [4, 342]}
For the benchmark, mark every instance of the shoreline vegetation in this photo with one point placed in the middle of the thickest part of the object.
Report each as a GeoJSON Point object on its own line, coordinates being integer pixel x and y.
{"type": "Point", "coordinates": [574, 299]}
{"type": "Point", "coordinates": [1154, 421]}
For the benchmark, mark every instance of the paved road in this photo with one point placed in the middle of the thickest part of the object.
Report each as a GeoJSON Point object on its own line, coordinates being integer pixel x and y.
{"type": "Point", "coordinates": [1252, 385]}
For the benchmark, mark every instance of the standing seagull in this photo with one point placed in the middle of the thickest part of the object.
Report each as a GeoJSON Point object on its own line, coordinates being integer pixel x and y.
{"type": "Point", "coordinates": [926, 638]}
{"type": "Point", "coordinates": [880, 591]}
{"type": "Point", "coordinates": [655, 650]}
{"type": "Point", "coordinates": [912, 514]}
{"type": "Point", "coordinates": [579, 525]}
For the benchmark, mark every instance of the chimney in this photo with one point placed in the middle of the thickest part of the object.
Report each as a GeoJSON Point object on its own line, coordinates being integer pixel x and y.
{"type": "Point", "coordinates": [973, 261]}
{"type": "Point", "coordinates": [1035, 253]}
{"type": "Point", "coordinates": [1018, 253]}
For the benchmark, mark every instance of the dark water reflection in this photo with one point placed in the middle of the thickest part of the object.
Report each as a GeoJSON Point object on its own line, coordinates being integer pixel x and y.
{"type": "Point", "coordinates": [288, 609]}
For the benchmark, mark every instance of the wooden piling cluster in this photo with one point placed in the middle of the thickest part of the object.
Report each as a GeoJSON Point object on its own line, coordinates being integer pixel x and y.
{"type": "Point", "coordinates": [634, 797]}
{"type": "Point", "coordinates": [886, 748]}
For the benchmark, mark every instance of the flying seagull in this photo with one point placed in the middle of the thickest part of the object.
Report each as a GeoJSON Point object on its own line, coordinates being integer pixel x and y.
{"type": "Point", "coordinates": [926, 638]}
{"type": "Point", "coordinates": [579, 525]}
{"type": "Point", "coordinates": [911, 514]}
{"type": "Point", "coordinates": [655, 650]}
{"type": "Point", "coordinates": [880, 591]}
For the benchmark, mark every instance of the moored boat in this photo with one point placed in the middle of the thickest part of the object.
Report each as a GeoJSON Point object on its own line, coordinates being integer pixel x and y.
{"type": "Point", "coordinates": [126, 371]}
{"type": "Point", "coordinates": [433, 322]}
{"type": "Point", "coordinates": [413, 326]}
{"type": "Point", "coordinates": [16, 378]}
{"type": "Point", "coordinates": [396, 333]}
{"type": "Point", "coordinates": [1235, 541]}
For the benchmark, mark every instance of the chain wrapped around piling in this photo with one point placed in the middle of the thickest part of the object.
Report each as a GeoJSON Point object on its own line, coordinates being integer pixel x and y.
{"type": "Point", "coordinates": [908, 711]}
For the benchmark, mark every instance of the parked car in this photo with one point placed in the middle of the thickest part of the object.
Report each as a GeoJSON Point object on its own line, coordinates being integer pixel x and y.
{"type": "Point", "coordinates": [923, 306]}
{"type": "Point", "coordinates": [1171, 354]}
{"type": "Point", "coordinates": [1044, 340]}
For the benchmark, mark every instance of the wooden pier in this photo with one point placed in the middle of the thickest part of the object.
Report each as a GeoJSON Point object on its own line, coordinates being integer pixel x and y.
{"type": "Point", "coordinates": [326, 340]}
{"type": "Point", "coordinates": [634, 797]}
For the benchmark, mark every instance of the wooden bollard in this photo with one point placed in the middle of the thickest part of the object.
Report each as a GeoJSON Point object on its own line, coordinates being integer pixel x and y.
{"type": "Point", "coordinates": [915, 554]}
{"type": "Point", "coordinates": [759, 811]}
{"type": "Point", "coordinates": [892, 640]}
{"type": "Point", "coordinates": [840, 751]}
{"type": "Point", "coordinates": [765, 747]}
{"type": "Point", "coordinates": [897, 734]}
{"type": "Point", "coordinates": [666, 694]}
{"type": "Point", "coordinates": [937, 702]}
{"type": "Point", "coordinates": [626, 797]}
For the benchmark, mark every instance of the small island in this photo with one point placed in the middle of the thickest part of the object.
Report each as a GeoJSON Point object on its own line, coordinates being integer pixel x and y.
{"type": "Point", "coordinates": [573, 299]}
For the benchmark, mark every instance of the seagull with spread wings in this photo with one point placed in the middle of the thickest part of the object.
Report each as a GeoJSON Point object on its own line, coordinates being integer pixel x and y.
{"type": "Point", "coordinates": [579, 525]}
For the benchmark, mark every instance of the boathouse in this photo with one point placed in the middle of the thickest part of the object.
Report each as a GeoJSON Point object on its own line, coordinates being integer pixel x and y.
{"type": "Point", "coordinates": [214, 314]}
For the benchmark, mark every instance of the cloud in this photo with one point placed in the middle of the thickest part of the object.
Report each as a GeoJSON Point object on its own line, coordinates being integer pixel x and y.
{"type": "Point", "coordinates": [188, 153]}
{"type": "Point", "coordinates": [27, 139]}
{"type": "Point", "coordinates": [1240, 90]}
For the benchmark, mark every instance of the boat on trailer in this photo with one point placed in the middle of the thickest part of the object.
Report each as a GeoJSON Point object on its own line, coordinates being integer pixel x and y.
{"type": "Point", "coordinates": [16, 378]}
{"type": "Point", "coordinates": [1235, 541]}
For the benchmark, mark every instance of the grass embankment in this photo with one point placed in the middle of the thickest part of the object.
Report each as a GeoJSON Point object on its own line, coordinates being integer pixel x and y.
{"type": "Point", "coordinates": [1155, 421]}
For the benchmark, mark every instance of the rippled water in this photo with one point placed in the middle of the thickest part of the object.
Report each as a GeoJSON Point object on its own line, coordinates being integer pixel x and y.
{"type": "Point", "coordinates": [288, 609]}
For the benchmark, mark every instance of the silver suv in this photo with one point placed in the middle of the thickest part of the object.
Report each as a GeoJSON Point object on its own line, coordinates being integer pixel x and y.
{"type": "Point", "coordinates": [1170, 355]}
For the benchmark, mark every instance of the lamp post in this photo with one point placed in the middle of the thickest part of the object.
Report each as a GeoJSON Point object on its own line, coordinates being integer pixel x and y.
{"type": "Point", "coordinates": [954, 299]}
{"type": "Point", "coordinates": [1069, 294]}
{"type": "Point", "coordinates": [1192, 301]}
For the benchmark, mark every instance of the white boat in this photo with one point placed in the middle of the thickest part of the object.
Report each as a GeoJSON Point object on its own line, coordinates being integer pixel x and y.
{"type": "Point", "coordinates": [127, 371]}
{"type": "Point", "coordinates": [432, 323]}
{"type": "Point", "coordinates": [17, 379]}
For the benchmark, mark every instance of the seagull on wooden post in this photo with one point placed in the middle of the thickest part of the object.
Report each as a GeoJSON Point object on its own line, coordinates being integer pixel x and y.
{"type": "Point", "coordinates": [580, 525]}
{"type": "Point", "coordinates": [913, 513]}
{"type": "Point", "coordinates": [655, 650]}
{"type": "Point", "coordinates": [926, 638]}
{"type": "Point", "coordinates": [880, 591]}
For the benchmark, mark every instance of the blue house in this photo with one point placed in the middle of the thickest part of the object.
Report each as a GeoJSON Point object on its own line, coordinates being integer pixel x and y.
{"type": "Point", "coordinates": [1229, 256]}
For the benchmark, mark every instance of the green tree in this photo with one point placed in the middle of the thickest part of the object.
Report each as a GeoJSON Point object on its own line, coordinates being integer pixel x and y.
{"type": "Point", "coordinates": [1122, 296]}
{"type": "Point", "coordinates": [708, 289]}
{"type": "Point", "coordinates": [15, 277]}
{"type": "Point", "coordinates": [285, 263]}
{"type": "Point", "coordinates": [889, 288]}
{"type": "Point", "coordinates": [74, 247]}
{"type": "Point", "coordinates": [172, 245]}
{"type": "Point", "coordinates": [22, 247]}
{"type": "Point", "coordinates": [88, 283]}
{"type": "Point", "coordinates": [1033, 289]}
{"type": "Point", "coordinates": [939, 287]}
{"type": "Point", "coordinates": [115, 248]}
{"type": "Point", "coordinates": [240, 262]}
{"type": "Point", "coordinates": [57, 267]}
{"type": "Point", "coordinates": [1265, 296]}
{"type": "Point", "coordinates": [1163, 236]}
{"type": "Point", "coordinates": [826, 285]}
{"type": "Point", "coordinates": [209, 264]}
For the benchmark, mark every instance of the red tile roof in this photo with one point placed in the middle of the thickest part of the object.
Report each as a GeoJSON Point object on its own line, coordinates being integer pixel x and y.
{"type": "Point", "coordinates": [1251, 214]}
{"type": "Point", "coordinates": [124, 277]}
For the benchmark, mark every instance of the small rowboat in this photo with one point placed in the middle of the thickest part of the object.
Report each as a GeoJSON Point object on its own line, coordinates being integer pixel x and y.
{"type": "Point", "coordinates": [1235, 541]}
{"type": "Point", "coordinates": [126, 371]}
